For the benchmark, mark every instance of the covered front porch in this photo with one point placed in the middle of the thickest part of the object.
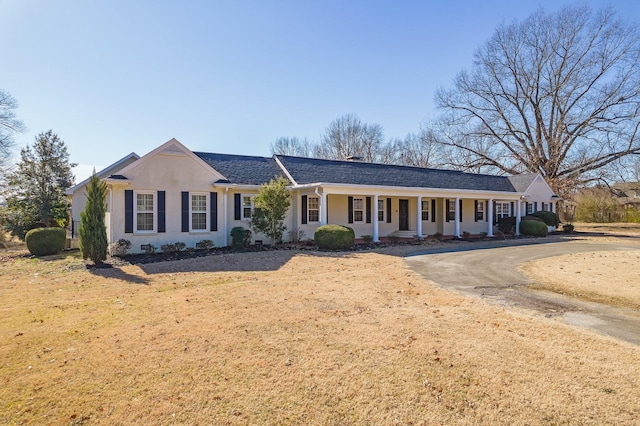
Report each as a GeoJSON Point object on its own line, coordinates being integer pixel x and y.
{"type": "Point", "coordinates": [404, 214]}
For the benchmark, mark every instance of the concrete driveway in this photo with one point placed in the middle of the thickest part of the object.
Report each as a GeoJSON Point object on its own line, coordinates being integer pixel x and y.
{"type": "Point", "coordinates": [489, 270]}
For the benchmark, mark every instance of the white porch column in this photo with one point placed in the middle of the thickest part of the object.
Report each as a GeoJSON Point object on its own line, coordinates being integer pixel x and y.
{"type": "Point", "coordinates": [225, 222]}
{"type": "Point", "coordinates": [419, 217]}
{"type": "Point", "coordinates": [323, 208]}
{"type": "Point", "coordinates": [376, 238]}
{"type": "Point", "coordinates": [518, 214]}
{"type": "Point", "coordinates": [457, 229]}
{"type": "Point", "coordinates": [490, 217]}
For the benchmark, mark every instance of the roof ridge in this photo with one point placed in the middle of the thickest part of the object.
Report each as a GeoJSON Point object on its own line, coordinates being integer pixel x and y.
{"type": "Point", "coordinates": [394, 165]}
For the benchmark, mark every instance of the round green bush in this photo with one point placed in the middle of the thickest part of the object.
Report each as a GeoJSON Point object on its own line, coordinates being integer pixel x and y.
{"type": "Point", "coordinates": [533, 228]}
{"type": "Point", "coordinates": [334, 237]}
{"type": "Point", "coordinates": [46, 241]}
{"type": "Point", "coordinates": [550, 218]}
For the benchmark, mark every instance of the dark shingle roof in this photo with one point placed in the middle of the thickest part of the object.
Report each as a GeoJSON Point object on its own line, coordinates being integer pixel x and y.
{"type": "Point", "coordinates": [522, 182]}
{"type": "Point", "coordinates": [312, 170]}
{"type": "Point", "coordinates": [243, 169]}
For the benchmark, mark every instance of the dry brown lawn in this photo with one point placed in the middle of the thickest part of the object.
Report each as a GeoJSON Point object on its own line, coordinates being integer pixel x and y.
{"type": "Point", "coordinates": [611, 277]}
{"type": "Point", "coordinates": [290, 337]}
{"type": "Point", "coordinates": [588, 276]}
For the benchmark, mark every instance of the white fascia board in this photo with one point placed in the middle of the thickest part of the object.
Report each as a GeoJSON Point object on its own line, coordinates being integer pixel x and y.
{"type": "Point", "coordinates": [109, 169]}
{"type": "Point", "coordinates": [284, 170]}
{"type": "Point", "coordinates": [117, 182]}
{"type": "Point", "coordinates": [346, 189]}
{"type": "Point", "coordinates": [236, 186]}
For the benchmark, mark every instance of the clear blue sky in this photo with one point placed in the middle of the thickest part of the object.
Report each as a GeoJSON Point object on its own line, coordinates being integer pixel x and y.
{"type": "Point", "coordinates": [112, 77]}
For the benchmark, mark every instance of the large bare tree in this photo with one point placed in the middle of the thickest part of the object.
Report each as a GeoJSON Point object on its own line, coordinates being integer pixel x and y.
{"type": "Point", "coordinates": [557, 94]}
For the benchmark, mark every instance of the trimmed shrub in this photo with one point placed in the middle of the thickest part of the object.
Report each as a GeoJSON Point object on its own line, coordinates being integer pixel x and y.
{"type": "Point", "coordinates": [550, 218]}
{"type": "Point", "coordinates": [204, 245]}
{"type": "Point", "coordinates": [240, 237]}
{"type": "Point", "coordinates": [168, 248]}
{"type": "Point", "coordinates": [533, 228]}
{"type": "Point", "coordinates": [46, 241]}
{"type": "Point", "coordinates": [568, 228]}
{"type": "Point", "coordinates": [120, 247]}
{"type": "Point", "coordinates": [334, 237]}
{"type": "Point", "coordinates": [507, 225]}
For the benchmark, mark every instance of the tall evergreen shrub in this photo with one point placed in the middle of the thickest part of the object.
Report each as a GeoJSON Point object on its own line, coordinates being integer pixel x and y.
{"type": "Point", "coordinates": [93, 232]}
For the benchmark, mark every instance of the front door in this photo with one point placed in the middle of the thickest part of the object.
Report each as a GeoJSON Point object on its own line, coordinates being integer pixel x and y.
{"type": "Point", "coordinates": [403, 215]}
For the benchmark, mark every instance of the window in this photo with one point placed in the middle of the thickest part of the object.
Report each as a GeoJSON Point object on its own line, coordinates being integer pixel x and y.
{"type": "Point", "coordinates": [199, 212]}
{"type": "Point", "coordinates": [380, 210]}
{"type": "Point", "coordinates": [358, 209]}
{"type": "Point", "coordinates": [529, 208]}
{"type": "Point", "coordinates": [313, 209]}
{"type": "Point", "coordinates": [451, 209]}
{"type": "Point", "coordinates": [145, 212]}
{"type": "Point", "coordinates": [502, 210]}
{"type": "Point", "coordinates": [247, 206]}
{"type": "Point", "coordinates": [544, 207]}
{"type": "Point", "coordinates": [425, 209]}
{"type": "Point", "coordinates": [479, 211]}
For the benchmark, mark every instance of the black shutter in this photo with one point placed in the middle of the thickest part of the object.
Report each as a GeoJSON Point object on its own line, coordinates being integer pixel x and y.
{"type": "Point", "coordinates": [213, 203]}
{"type": "Point", "coordinates": [237, 206]}
{"type": "Point", "coordinates": [535, 206]}
{"type": "Point", "coordinates": [447, 206]}
{"type": "Point", "coordinates": [460, 207]}
{"type": "Point", "coordinates": [368, 207]}
{"type": "Point", "coordinates": [526, 208]}
{"type": "Point", "coordinates": [162, 212]}
{"type": "Point", "coordinates": [325, 208]}
{"type": "Point", "coordinates": [433, 210]}
{"type": "Point", "coordinates": [185, 211]}
{"type": "Point", "coordinates": [475, 210]}
{"type": "Point", "coordinates": [495, 214]}
{"type": "Point", "coordinates": [513, 211]}
{"type": "Point", "coordinates": [128, 211]}
{"type": "Point", "coordinates": [350, 214]}
{"type": "Point", "coordinates": [388, 210]}
{"type": "Point", "coordinates": [551, 207]}
{"type": "Point", "coordinates": [304, 209]}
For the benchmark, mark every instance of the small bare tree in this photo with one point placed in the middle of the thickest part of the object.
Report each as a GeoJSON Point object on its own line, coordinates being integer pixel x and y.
{"type": "Point", "coordinates": [9, 126]}
{"type": "Point", "coordinates": [348, 136]}
{"type": "Point", "coordinates": [292, 146]}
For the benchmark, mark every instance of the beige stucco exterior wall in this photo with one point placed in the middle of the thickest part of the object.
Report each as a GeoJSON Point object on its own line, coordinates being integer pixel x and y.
{"type": "Point", "coordinates": [538, 192]}
{"type": "Point", "coordinates": [172, 173]}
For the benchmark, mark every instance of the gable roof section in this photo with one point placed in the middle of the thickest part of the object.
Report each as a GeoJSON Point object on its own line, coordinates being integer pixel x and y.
{"type": "Point", "coordinates": [107, 171]}
{"type": "Point", "coordinates": [313, 170]}
{"type": "Point", "coordinates": [522, 182]}
{"type": "Point", "coordinates": [172, 147]}
{"type": "Point", "coordinates": [243, 169]}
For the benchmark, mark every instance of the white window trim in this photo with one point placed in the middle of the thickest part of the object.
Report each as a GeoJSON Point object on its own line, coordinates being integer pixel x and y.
{"type": "Point", "coordinates": [361, 210]}
{"type": "Point", "coordinates": [381, 204]}
{"type": "Point", "coordinates": [451, 209]}
{"type": "Point", "coordinates": [135, 212]}
{"type": "Point", "coordinates": [529, 207]}
{"type": "Point", "coordinates": [481, 209]}
{"type": "Point", "coordinates": [309, 209]}
{"type": "Point", "coordinates": [206, 210]}
{"type": "Point", "coordinates": [427, 202]}
{"type": "Point", "coordinates": [502, 204]}
{"type": "Point", "coordinates": [242, 207]}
